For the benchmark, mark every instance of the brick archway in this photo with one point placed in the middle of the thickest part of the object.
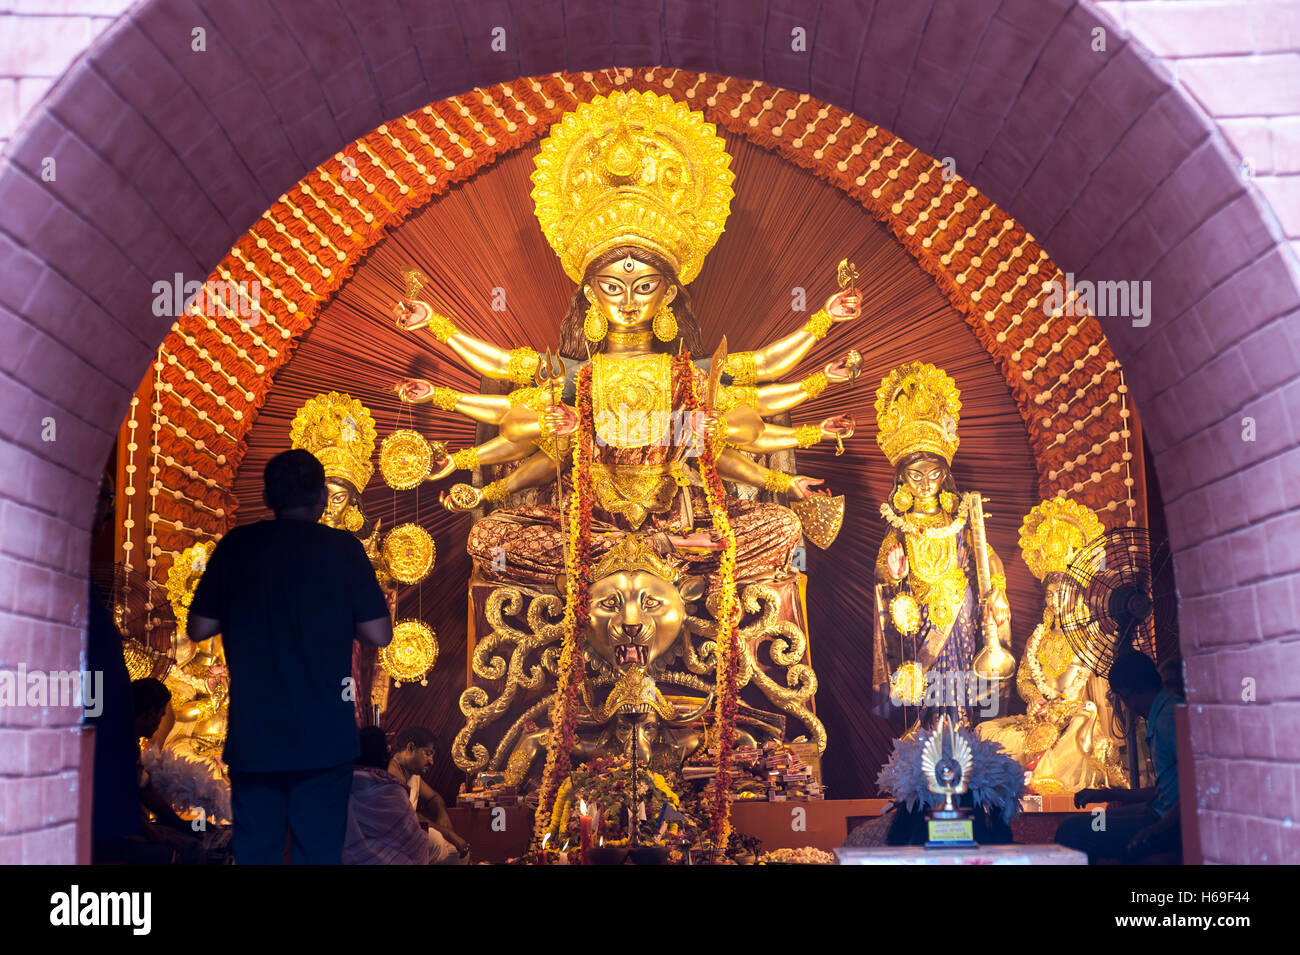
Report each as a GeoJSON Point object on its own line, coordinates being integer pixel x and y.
{"type": "Point", "coordinates": [163, 156]}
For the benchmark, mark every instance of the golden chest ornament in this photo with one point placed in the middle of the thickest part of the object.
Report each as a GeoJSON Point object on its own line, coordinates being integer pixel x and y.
{"type": "Point", "coordinates": [1054, 655]}
{"type": "Point", "coordinates": [631, 399]}
{"type": "Point", "coordinates": [934, 575]}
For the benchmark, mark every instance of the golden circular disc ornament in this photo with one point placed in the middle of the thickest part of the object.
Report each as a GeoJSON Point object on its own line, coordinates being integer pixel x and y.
{"type": "Point", "coordinates": [906, 614]}
{"type": "Point", "coordinates": [907, 685]}
{"type": "Point", "coordinates": [412, 653]}
{"type": "Point", "coordinates": [404, 459]}
{"type": "Point", "coordinates": [463, 497]}
{"type": "Point", "coordinates": [409, 552]}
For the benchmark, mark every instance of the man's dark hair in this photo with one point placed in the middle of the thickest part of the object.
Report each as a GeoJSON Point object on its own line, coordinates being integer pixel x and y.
{"type": "Point", "coordinates": [149, 694]}
{"type": "Point", "coordinates": [418, 735]}
{"type": "Point", "coordinates": [374, 747]}
{"type": "Point", "coordinates": [1133, 672]}
{"type": "Point", "coordinates": [293, 479]}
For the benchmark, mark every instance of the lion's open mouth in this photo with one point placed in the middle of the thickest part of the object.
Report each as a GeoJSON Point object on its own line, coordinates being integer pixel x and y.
{"type": "Point", "coordinates": [629, 654]}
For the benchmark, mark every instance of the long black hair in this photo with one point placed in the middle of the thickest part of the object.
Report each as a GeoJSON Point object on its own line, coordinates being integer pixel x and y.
{"type": "Point", "coordinates": [574, 344]}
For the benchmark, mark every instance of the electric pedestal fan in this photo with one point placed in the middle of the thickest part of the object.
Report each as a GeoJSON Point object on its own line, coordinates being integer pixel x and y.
{"type": "Point", "coordinates": [1119, 598]}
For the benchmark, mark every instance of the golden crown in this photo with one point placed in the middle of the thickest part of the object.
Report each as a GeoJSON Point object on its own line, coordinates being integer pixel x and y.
{"type": "Point", "coordinates": [917, 409]}
{"type": "Point", "coordinates": [339, 430]}
{"type": "Point", "coordinates": [635, 169]}
{"type": "Point", "coordinates": [632, 554]}
{"type": "Point", "coordinates": [1052, 533]}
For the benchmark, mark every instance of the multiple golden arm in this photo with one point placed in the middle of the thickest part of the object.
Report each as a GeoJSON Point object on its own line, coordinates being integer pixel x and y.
{"type": "Point", "coordinates": [528, 420]}
{"type": "Point", "coordinates": [517, 365]}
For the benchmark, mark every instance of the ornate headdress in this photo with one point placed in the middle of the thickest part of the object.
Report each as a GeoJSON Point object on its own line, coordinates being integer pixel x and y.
{"type": "Point", "coordinates": [632, 554]}
{"type": "Point", "coordinates": [340, 432]}
{"type": "Point", "coordinates": [636, 169]}
{"type": "Point", "coordinates": [1052, 533]}
{"type": "Point", "coordinates": [917, 409]}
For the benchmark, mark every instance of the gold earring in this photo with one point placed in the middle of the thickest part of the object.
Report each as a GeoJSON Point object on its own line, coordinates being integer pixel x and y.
{"type": "Point", "coordinates": [665, 324]}
{"type": "Point", "coordinates": [353, 518]}
{"type": "Point", "coordinates": [902, 499]}
{"type": "Point", "coordinates": [595, 325]}
{"type": "Point", "coordinates": [948, 501]}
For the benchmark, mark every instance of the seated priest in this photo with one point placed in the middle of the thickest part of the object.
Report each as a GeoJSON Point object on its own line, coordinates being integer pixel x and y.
{"type": "Point", "coordinates": [1139, 823]}
{"type": "Point", "coordinates": [413, 752]}
{"type": "Point", "coordinates": [383, 828]}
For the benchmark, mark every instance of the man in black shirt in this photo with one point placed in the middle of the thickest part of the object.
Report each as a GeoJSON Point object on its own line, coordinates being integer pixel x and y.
{"type": "Point", "coordinates": [289, 596]}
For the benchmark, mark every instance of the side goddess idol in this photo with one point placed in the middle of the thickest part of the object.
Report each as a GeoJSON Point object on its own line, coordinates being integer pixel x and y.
{"type": "Point", "coordinates": [931, 616]}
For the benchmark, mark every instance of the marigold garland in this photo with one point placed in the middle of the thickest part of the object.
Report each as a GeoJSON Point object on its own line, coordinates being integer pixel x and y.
{"type": "Point", "coordinates": [728, 657]}
{"type": "Point", "coordinates": [564, 712]}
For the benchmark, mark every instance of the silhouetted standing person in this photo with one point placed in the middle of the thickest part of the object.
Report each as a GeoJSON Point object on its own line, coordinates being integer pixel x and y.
{"type": "Point", "coordinates": [289, 596]}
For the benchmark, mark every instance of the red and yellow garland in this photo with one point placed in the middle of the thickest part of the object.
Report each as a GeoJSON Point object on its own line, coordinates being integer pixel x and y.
{"type": "Point", "coordinates": [728, 656]}
{"type": "Point", "coordinates": [564, 712]}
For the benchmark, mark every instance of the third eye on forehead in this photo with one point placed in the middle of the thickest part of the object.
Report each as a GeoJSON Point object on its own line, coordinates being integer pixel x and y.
{"type": "Point", "coordinates": [630, 278]}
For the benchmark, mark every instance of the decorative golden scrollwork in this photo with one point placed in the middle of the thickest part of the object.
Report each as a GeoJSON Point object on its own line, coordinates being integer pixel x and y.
{"type": "Point", "coordinates": [521, 671]}
{"type": "Point", "coordinates": [788, 646]}
{"type": "Point", "coordinates": [528, 660]}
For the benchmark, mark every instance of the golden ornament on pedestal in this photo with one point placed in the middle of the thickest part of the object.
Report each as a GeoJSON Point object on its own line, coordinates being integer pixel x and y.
{"type": "Point", "coordinates": [412, 653]}
{"type": "Point", "coordinates": [409, 553]}
{"type": "Point", "coordinates": [404, 459]}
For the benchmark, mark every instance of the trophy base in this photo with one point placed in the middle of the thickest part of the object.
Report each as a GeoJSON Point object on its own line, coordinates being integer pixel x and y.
{"type": "Point", "coordinates": [950, 829]}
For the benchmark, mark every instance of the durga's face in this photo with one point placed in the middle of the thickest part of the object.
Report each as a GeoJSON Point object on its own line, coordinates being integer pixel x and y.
{"type": "Point", "coordinates": [629, 292]}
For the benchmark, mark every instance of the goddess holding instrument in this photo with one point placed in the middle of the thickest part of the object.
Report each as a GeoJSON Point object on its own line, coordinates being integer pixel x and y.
{"type": "Point", "coordinates": [632, 191]}
{"type": "Point", "coordinates": [932, 614]}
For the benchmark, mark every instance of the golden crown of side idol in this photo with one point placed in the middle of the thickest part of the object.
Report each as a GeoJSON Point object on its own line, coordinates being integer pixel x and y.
{"type": "Point", "coordinates": [632, 168]}
{"type": "Point", "coordinates": [629, 555]}
{"type": "Point", "coordinates": [917, 409]}
{"type": "Point", "coordinates": [340, 432]}
{"type": "Point", "coordinates": [1052, 533]}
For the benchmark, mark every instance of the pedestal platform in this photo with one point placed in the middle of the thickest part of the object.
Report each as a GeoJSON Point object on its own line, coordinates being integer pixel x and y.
{"type": "Point", "coordinates": [977, 855]}
{"type": "Point", "coordinates": [496, 835]}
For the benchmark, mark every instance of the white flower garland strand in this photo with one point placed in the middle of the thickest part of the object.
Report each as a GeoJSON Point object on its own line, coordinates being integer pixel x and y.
{"type": "Point", "coordinates": [907, 525]}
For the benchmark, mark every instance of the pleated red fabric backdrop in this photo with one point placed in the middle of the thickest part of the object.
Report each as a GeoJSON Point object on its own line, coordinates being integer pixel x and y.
{"type": "Point", "coordinates": [787, 231]}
